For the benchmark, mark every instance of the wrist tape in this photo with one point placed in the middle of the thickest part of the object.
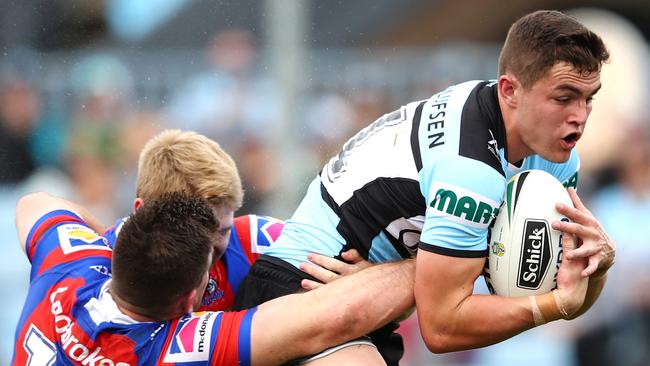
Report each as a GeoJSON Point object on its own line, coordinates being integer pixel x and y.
{"type": "Point", "coordinates": [547, 307]}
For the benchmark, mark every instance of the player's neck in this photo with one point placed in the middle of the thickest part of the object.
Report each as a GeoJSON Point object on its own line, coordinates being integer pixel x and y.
{"type": "Point", "coordinates": [516, 149]}
{"type": "Point", "coordinates": [130, 310]}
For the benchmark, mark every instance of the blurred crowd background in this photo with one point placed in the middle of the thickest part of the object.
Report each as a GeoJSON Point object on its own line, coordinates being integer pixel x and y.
{"type": "Point", "coordinates": [281, 84]}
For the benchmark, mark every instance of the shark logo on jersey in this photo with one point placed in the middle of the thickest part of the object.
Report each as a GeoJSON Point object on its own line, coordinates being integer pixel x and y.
{"type": "Point", "coordinates": [493, 146]}
{"type": "Point", "coordinates": [75, 237]}
{"type": "Point", "coordinates": [462, 205]}
{"type": "Point", "coordinates": [191, 341]}
{"type": "Point", "coordinates": [407, 231]}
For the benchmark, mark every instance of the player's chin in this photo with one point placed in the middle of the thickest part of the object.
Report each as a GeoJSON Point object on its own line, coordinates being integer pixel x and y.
{"type": "Point", "coordinates": [560, 153]}
{"type": "Point", "coordinates": [560, 157]}
{"type": "Point", "coordinates": [556, 155]}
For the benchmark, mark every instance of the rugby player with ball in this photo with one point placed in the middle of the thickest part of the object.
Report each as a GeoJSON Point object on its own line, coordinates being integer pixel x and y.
{"type": "Point", "coordinates": [428, 179]}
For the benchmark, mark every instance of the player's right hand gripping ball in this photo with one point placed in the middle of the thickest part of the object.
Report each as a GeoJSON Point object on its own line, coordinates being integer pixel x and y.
{"type": "Point", "coordinates": [524, 250]}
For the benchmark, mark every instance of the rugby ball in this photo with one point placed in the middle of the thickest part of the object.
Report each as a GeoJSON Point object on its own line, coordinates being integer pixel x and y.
{"type": "Point", "coordinates": [524, 252]}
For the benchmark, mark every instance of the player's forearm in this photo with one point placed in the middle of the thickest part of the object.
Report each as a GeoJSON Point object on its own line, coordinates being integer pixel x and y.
{"type": "Point", "coordinates": [337, 312]}
{"type": "Point", "coordinates": [374, 296]}
{"type": "Point", "coordinates": [357, 304]}
{"type": "Point", "coordinates": [478, 321]}
{"type": "Point", "coordinates": [91, 220]}
{"type": "Point", "coordinates": [34, 205]}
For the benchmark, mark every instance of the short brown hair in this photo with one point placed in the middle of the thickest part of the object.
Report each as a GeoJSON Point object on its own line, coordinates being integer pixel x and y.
{"type": "Point", "coordinates": [539, 40]}
{"type": "Point", "coordinates": [175, 161]}
{"type": "Point", "coordinates": [162, 253]}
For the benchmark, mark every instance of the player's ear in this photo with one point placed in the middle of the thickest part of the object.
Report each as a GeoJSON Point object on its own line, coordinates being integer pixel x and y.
{"type": "Point", "coordinates": [188, 301]}
{"type": "Point", "coordinates": [137, 203]}
{"type": "Point", "coordinates": [508, 85]}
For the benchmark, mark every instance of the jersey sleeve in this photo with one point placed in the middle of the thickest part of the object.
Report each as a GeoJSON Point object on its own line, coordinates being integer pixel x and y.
{"type": "Point", "coordinates": [60, 237]}
{"type": "Point", "coordinates": [210, 338]}
{"type": "Point", "coordinates": [463, 196]}
{"type": "Point", "coordinates": [256, 233]}
{"type": "Point", "coordinates": [112, 232]}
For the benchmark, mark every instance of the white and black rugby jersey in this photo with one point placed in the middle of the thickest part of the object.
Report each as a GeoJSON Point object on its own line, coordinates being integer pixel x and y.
{"type": "Point", "coordinates": [430, 175]}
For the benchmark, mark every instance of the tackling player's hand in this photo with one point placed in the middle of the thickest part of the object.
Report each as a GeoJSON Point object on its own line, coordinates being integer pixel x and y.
{"type": "Point", "coordinates": [327, 269]}
{"type": "Point", "coordinates": [593, 242]}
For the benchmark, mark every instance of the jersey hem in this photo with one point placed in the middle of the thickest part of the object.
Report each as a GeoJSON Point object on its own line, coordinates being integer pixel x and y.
{"type": "Point", "coordinates": [453, 252]}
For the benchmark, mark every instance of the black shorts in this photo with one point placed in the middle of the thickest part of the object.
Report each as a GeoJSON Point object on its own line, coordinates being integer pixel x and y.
{"type": "Point", "coordinates": [271, 277]}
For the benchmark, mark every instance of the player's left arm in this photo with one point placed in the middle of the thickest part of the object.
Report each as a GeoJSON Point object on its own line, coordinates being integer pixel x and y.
{"type": "Point", "coordinates": [593, 244]}
{"type": "Point", "coordinates": [451, 256]}
{"type": "Point", "coordinates": [33, 206]}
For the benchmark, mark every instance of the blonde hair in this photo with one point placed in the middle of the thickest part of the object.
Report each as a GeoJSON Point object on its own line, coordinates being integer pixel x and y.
{"type": "Point", "coordinates": [185, 161]}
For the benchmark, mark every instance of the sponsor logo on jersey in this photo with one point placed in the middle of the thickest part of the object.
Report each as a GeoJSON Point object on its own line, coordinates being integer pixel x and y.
{"type": "Point", "coordinates": [463, 206]}
{"type": "Point", "coordinates": [75, 237]}
{"type": "Point", "coordinates": [71, 338]}
{"type": "Point", "coordinates": [102, 269]}
{"type": "Point", "coordinates": [272, 230]}
{"type": "Point", "coordinates": [192, 338]}
{"type": "Point", "coordinates": [535, 255]}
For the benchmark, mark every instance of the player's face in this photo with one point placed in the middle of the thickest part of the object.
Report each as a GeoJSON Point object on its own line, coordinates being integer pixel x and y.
{"type": "Point", "coordinates": [552, 114]}
{"type": "Point", "coordinates": [224, 216]}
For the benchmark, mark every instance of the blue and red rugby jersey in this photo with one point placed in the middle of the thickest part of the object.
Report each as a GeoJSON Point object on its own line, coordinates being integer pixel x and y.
{"type": "Point", "coordinates": [251, 235]}
{"type": "Point", "coordinates": [70, 318]}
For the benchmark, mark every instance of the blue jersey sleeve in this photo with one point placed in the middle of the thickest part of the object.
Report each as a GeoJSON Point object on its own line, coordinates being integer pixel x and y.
{"type": "Point", "coordinates": [60, 237]}
{"type": "Point", "coordinates": [210, 338]}
{"type": "Point", "coordinates": [463, 197]}
{"type": "Point", "coordinates": [112, 232]}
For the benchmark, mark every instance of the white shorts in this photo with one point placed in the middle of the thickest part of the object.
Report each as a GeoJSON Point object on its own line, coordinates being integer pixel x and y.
{"type": "Point", "coordinates": [363, 341]}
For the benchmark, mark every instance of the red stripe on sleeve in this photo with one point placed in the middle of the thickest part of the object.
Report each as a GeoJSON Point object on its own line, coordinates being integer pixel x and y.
{"type": "Point", "coordinates": [44, 226]}
{"type": "Point", "coordinates": [243, 228]}
{"type": "Point", "coordinates": [168, 341]}
{"type": "Point", "coordinates": [226, 351]}
{"type": "Point", "coordinates": [57, 257]}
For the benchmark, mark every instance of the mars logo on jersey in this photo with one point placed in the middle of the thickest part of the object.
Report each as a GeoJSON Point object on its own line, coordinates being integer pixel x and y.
{"type": "Point", "coordinates": [74, 237]}
{"type": "Point", "coordinates": [463, 206]}
{"type": "Point", "coordinates": [535, 254]}
{"type": "Point", "coordinates": [192, 338]}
